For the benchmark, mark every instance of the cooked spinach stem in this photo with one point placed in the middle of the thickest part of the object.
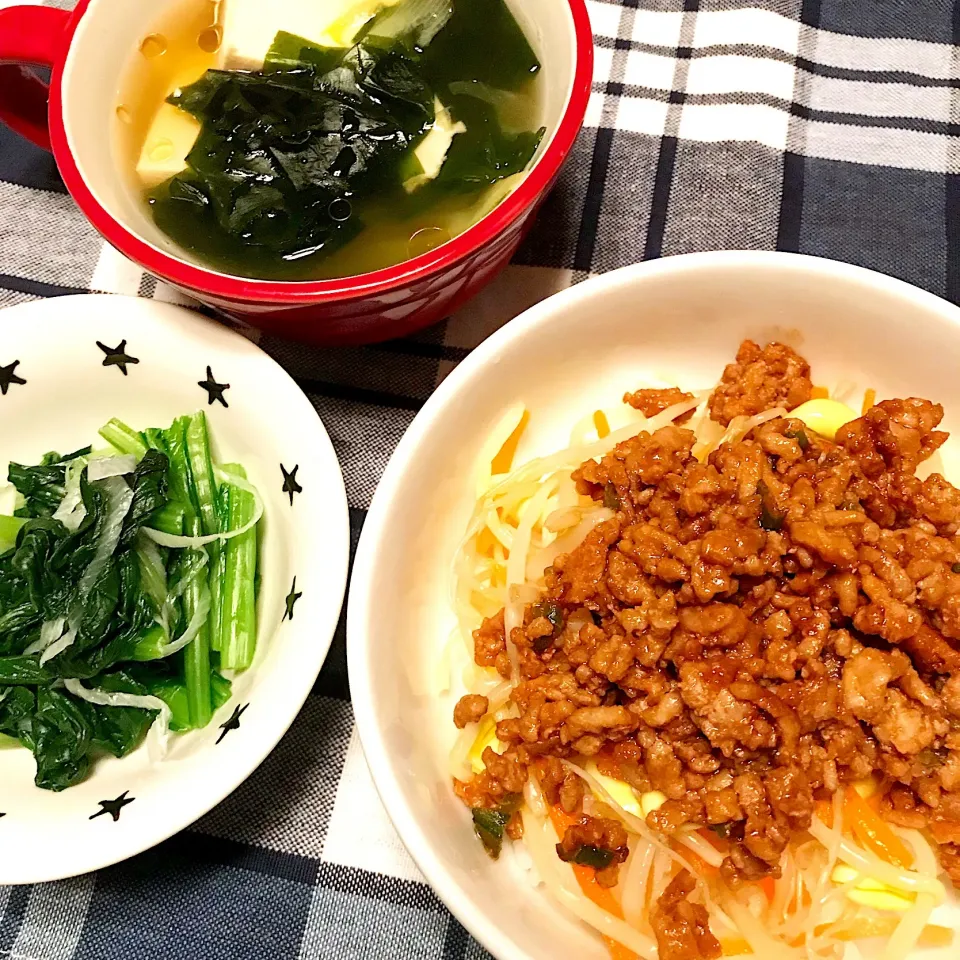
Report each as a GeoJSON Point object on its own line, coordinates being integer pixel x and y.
{"type": "Point", "coordinates": [203, 486]}
{"type": "Point", "coordinates": [175, 442]}
{"type": "Point", "coordinates": [9, 528]}
{"type": "Point", "coordinates": [196, 656]}
{"type": "Point", "coordinates": [150, 645]}
{"type": "Point", "coordinates": [205, 498]}
{"type": "Point", "coordinates": [238, 626]}
{"type": "Point", "coordinates": [123, 438]}
{"type": "Point", "coordinates": [218, 570]}
{"type": "Point", "coordinates": [169, 518]}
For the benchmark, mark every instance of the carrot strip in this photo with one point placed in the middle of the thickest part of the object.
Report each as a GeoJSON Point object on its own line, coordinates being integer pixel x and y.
{"type": "Point", "coordinates": [587, 878]}
{"type": "Point", "coordinates": [869, 399]}
{"type": "Point", "coordinates": [819, 393]}
{"type": "Point", "coordinates": [768, 886]}
{"type": "Point", "coordinates": [601, 423]}
{"type": "Point", "coordinates": [504, 458]}
{"type": "Point", "coordinates": [873, 832]}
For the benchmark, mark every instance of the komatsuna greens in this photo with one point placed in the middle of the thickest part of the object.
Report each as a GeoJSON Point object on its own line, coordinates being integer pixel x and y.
{"type": "Point", "coordinates": [127, 584]}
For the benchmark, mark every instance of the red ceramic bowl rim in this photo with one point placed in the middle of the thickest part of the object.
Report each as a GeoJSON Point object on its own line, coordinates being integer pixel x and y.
{"type": "Point", "coordinates": [239, 289]}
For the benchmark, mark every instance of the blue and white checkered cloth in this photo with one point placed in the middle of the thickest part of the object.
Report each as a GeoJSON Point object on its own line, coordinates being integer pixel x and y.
{"type": "Point", "coordinates": [829, 127]}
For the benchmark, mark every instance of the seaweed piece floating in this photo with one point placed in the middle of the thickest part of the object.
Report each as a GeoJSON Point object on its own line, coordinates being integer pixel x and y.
{"type": "Point", "coordinates": [329, 160]}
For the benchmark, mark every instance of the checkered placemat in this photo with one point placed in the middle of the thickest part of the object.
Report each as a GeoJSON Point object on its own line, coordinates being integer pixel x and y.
{"type": "Point", "coordinates": [829, 127]}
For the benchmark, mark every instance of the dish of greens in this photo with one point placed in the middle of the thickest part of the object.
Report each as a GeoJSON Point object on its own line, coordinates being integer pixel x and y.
{"type": "Point", "coordinates": [128, 590]}
{"type": "Point", "coordinates": [404, 128]}
{"type": "Point", "coordinates": [169, 571]}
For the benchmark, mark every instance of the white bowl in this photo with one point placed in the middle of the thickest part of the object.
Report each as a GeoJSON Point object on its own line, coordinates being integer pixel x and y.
{"type": "Point", "coordinates": [679, 320]}
{"type": "Point", "coordinates": [69, 393]}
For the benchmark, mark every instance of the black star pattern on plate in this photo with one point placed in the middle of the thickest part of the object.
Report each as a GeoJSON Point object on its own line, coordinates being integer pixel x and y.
{"type": "Point", "coordinates": [113, 807]}
{"type": "Point", "coordinates": [234, 722]}
{"type": "Point", "coordinates": [117, 356]}
{"type": "Point", "coordinates": [290, 484]}
{"type": "Point", "coordinates": [8, 377]}
{"type": "Point", "coordinates": [214, 389]}
{"type": "Point", "coordinates": [2, 814]}
{"type": "Point", "coordinates": [292, 598]}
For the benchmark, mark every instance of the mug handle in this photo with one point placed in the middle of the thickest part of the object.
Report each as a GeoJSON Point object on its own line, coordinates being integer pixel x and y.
{"type": "Point", "coordinates": [29, 36]}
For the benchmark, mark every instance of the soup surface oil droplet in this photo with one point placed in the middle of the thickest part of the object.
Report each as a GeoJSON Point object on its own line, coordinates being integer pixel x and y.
{"type": "Point", "coordinates": [340, 210]}
{"type": "Point", "coordinates": [427, 239]}
{"type": "Point", "coordinates": [155, 45]}
{"type": "Point", "coordinates": [161, 150]}
{"type": "Point", "coordinates": [124, 115]}
{"type": "Point", "coordinates": [210, 39]}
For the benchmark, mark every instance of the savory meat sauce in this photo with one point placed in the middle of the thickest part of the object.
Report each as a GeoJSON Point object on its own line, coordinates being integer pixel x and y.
{"type": "Point", "coordinates": [747, 635]}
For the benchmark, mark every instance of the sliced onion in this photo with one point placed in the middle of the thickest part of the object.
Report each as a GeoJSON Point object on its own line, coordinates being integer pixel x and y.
{"type": "Point", "coordinates": [180, 543]}
{"type": "Point", "coordinates": [197, 621]}
{"type": "Point", "coordinates": [120, 497]}
{"type": "Point", "coordinates": [107, 698]}
{"type": "Point", "coordinates": [101, 468]}
{"type": "Point", "coordinates": [50, 631]}
{"type": "Point", "coordinates": [59, 646]}
{"type": "Point", "coordinates": [71, 510]}
{"type": "Point", "coordinates": [110, 698]}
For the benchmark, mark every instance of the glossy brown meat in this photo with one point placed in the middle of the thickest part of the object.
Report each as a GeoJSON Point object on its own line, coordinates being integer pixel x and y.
{"type": "Point", "coordinates": [759, 379]}
{"type": "Point", "coordinates": [682, 928]}
{"type": "Point", "coordinates": [651, 401]}
{"type": "Point", "coordinates": [749, 634]}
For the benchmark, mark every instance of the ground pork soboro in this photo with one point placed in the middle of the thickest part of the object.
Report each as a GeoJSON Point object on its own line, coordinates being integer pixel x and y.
{"type": "Point", "coordinates": [751, 633]}
{"type": "Point", "coordinates": [759, 379]}
{"type": "Point", "coordinates": [681, 927]}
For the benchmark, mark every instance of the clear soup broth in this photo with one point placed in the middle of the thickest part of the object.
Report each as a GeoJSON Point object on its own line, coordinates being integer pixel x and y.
{"type": "Point", "coordinates": [391, 128]}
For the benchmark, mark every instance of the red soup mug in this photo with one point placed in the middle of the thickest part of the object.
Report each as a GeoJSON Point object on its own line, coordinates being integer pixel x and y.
{"type": "Point", "coordinates": [89, 52]}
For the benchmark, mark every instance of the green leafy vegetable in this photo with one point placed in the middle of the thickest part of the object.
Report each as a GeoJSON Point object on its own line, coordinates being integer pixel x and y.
{"type": "Point", "coordinates": [238, 628]}
{"type": "Point", "coordinates": [489, 826]}
{"type": "Point", "coordinates": [289, 52]}
{"type": "Point", "coordinates": [456, 54]}
{"type": "Point", "coordinates": [101, 603]}
{"type": "Point", "coordinates": [587, 856]}
{"type": "Point", "coordinates": [611, 498]}
{"type": "Point", "coordinates": [769, 519]}
{"type": "Point", "coordinates": [412, 25]}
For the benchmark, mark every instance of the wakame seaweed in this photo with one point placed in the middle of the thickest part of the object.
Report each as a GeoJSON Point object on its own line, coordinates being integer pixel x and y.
{"type": "Point", "coordinates": [96, 584]}
{"type": "Point", "coordinates": [296, 160]}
